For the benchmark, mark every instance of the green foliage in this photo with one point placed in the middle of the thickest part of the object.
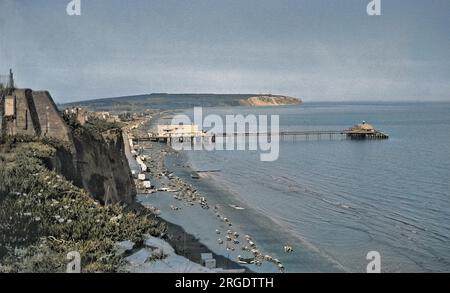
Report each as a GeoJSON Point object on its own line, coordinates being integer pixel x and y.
{"type": "Point", "coordinates": [17, 228]}
{"type": "Point", "coordinates": [45, 214]}
{"type": "Point", "coordinates": [93, 128]}
{"type": "Point", "coordinates": [101, 125]}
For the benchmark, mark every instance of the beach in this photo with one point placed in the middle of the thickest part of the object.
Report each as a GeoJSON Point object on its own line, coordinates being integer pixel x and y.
{"type": "Point", "coordinates": [184, 243]}
{"type": "Point", "coordinates": [227, 226]}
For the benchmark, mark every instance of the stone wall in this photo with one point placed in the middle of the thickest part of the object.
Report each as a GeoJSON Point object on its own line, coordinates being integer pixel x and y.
{"type": "Point", "coordinates": [50, 120]}
{"type": "Point", "coordinates": [35, 114]}
{"type": "Point", "coordinates": [23, 121]}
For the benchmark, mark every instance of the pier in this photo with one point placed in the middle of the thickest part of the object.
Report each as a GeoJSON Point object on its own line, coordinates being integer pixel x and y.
{"type": "Point", "coordinates": [358, 132]}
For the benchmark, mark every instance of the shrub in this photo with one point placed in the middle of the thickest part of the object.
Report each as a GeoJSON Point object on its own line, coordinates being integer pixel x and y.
{"type": "Point", "coordinates": [43, 213]}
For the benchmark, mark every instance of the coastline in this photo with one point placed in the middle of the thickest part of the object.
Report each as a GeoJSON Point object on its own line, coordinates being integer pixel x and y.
{"type": "Point", "coordinates": [183, 243]}
{"type": "Point", "coordinates": [181, 205]}
{"type": "Point", "coordinates": [322, 207]}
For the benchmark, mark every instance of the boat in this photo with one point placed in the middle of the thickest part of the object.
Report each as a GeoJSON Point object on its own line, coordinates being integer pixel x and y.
{"type": "Point", "coordinates": [236, 207]}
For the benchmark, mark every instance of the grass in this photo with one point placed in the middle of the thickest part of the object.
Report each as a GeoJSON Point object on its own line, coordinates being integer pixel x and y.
{"type": "Point", "coordinates": [43, 217]}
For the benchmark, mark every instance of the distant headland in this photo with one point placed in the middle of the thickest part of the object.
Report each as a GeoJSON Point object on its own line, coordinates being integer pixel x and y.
{"type": "Point", "coordinates": [270, 100]}
{"type": "Point", "coordinates": [167, 101]}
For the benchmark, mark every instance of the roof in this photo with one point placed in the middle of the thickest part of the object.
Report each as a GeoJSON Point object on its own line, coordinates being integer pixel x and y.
{"type": "Point", "coordinates": [364, 126]}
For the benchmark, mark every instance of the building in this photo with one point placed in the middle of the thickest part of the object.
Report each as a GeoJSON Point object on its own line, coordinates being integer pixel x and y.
{"type": "Point", "coordinates": [80, 114]}
{"type": "Point", "coordinates": [83, 116]}
{"type": "Point", "coordinates": [363, 127]}
{"type": "Point", "coordinates": [365, 130]}
{"type": "Point", "coordinates": [178, 130]}
{"type": "Point", "coordinates": [31, 113]}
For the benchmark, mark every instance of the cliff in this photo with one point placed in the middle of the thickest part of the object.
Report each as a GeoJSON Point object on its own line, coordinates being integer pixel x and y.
{"type": "Point", "coordinates": [103, 167]}
{"type": "Point", "coordinates": [97, 164]}
{"type": "Point", "coordinates": [270, 100]}
{"type": "Point", "coordinates": [43, 216]}
{"type": "Point", "coordinates": [90, 157]}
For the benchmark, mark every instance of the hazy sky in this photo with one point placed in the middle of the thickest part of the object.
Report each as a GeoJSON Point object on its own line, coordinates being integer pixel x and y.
{"type": "Point", "coordinates": [312, 49]}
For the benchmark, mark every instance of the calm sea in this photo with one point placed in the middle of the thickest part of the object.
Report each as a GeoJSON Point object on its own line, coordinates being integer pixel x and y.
{"type": "Point", "coordinates": [344, 198]}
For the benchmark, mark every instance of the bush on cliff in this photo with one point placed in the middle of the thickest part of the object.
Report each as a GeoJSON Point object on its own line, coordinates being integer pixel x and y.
{"type": "Point", "coordinates": [43, 217]}
{"type": "Point", "coordinates": [95, 126]}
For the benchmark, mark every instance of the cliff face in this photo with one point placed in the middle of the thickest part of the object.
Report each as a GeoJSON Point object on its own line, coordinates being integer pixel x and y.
{"type": "Point", "coordinates": [270, 100]}
{"type": "Point", "coordinates": [103, 167]}
{"type": "Point", "coordinates": [98, 165]}
{"type": "Point", "coordinates": [95, 162]}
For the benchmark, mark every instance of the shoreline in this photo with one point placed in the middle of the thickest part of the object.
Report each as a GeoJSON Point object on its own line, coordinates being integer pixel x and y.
{"type": "Point", "coordinates": [181, 205]}
{"type": "Point", "coordinates": [184, 244]}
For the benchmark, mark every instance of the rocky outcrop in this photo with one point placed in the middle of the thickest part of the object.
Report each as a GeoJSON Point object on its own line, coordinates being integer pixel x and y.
{"type": "Point", "coordinates": [270, 100]}
{"type": "Point", "coordinates": [93, 161]}
{"type": "Point", "coordinates": [97, 164]}
{"type": "Point", "coordinates": [103, 167]}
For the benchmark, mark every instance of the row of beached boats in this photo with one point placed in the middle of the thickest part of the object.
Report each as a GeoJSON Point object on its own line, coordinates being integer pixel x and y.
{"type": "Point", "coordinates": [231, 238]}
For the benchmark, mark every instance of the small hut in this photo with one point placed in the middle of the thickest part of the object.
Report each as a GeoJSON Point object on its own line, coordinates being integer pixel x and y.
{"type": "Point", "coordinates": [365, 130]}
{"type": "Point", "coordinates": [363, 127]}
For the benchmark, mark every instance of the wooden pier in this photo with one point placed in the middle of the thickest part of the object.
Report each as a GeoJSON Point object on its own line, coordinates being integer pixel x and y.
{"type": "Point", "coordinates": [360, 131]}
{"type": "Point", "coordinates": [313, 134]}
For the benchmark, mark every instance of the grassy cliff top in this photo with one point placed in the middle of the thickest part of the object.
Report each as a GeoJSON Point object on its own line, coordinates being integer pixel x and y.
{"type": "Point", "coordinates": [43, 217]}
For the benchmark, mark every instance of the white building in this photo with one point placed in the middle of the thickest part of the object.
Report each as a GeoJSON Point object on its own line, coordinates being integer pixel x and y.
{"type": "Point", "coordinates": [173, 130]}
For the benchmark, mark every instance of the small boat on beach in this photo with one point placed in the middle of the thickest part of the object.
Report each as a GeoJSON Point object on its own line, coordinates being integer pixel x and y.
{"type": "Point", "coordinates": [165, 189]}
{"type": "Point", "coordinates": [236, 207]}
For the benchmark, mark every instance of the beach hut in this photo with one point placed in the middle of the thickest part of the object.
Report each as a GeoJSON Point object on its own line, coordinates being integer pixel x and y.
{"type": "Point", "coordinates": [208, 261]}
{"type": "Point", "coordinates": [147, 184]}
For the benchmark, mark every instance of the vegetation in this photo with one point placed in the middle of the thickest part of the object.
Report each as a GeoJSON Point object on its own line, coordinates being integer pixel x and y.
{"type": "Point", "coordinates": [43, 217]}
{"type": "Point", "coordinates": [94, 127]}
{"type": "Point", "coordinates": [23, 138]}
{"type": "Point", "coordinates": [161, 101]}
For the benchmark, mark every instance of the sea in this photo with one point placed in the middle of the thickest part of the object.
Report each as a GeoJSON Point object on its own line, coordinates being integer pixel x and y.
{"type": "Point", "coordinates": [334, 200]}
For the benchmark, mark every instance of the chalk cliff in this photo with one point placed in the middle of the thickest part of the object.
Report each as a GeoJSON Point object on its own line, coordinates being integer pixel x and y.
{"type": "Point", "coordinates": [270, 100]}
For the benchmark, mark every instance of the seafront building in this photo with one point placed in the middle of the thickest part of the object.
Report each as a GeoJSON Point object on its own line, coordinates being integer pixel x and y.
{"type": "Point", "coordinates": [178, 130]}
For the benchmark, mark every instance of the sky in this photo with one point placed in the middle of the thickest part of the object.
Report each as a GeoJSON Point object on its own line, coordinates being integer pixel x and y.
{"type": "Point", "coordinates": [317, 50]}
